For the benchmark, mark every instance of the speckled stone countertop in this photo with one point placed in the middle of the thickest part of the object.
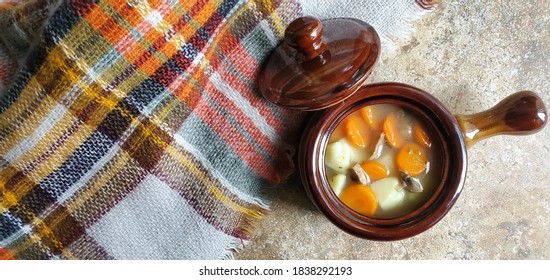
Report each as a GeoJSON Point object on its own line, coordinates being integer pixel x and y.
{"type": "Point", "coordinates": [470, 55]}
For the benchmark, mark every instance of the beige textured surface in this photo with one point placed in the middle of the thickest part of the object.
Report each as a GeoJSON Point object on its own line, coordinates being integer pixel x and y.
{"type": "Point", "coordinates": [470, 57]}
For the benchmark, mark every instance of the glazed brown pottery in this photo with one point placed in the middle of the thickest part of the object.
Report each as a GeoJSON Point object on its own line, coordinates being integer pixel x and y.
{"type": "Point", "coordinates": [322, 66]}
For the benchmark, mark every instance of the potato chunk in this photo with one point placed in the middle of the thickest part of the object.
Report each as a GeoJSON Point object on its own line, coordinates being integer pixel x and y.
{"type": "Point", "coordinates": [337, 183]}
{"type": "Point", "coordinates": [338, 156]}
{"type": "Point", "coordinates": [388, 192]}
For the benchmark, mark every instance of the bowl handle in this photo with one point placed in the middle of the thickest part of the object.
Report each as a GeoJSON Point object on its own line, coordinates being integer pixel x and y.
{"type": "Point", "coordinates": [521, 113]}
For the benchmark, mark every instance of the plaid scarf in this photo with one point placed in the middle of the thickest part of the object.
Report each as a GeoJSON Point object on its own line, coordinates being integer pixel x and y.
{"type": "Point", "coordinates": [134, 125]}
{"type": "Point", "coordinates": [134, 130]}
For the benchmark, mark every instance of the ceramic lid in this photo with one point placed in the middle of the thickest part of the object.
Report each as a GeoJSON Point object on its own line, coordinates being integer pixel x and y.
{"type": "Point", "coordinates": [319, 63]}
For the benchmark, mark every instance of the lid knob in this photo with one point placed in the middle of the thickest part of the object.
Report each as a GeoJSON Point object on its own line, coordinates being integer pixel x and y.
{"type": "Point", "coordinates": [305, 35]}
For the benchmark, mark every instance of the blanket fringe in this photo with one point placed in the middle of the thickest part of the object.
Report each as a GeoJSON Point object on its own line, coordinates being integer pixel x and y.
{"type": "Point", "coordinates": [415, 12]}
{"type": "Point", "coordinates": [248, 225]}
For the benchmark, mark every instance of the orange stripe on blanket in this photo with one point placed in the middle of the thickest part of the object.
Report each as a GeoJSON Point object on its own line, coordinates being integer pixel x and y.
{"type": "Point", "coordinates": [152, 34]}
{"type": "Point", "coordinates": [225, 130]}
{"type": "Point", "coordinates": [97, 17]}
{"type": "Point", "coordinates": [252, 97]}
{"type": "Point", "coordinates": [5, 254]}
{"type": "Point", "coordinates": [128, 13]}
{"type": "Point", "coordinates": [104, 24]}
{"type": "Point", "coordinates": [113, 32]}
{"type": "Point", "coordinates": [205, 13]}
{"type": "Point", "coordinates": [116, 34]}
{"type": "Point", "coordinates": [187, 4]}
{"type": "Point", "coordinates": [155, 4]}
{"type": "Point", "coordinates": [239, 57]}
{"type": "Point", "coordinates": [247, 66]}
{"type": "Point", "coordinates": [188, 93]}
{"type": "Point", "coordinates": [137, 53]}
{"type": "Point", "coordinates": [244, 121]}
{"type": "Point", "coordinates": [150, 65]}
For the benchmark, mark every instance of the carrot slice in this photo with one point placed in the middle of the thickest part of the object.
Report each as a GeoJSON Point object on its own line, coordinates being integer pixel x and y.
{"type": "Point", "coordinates": [368, 116]}
{"type": "Point", "coordinates": [391, 131]}
{"type": "Point", "coordinates": [360, 198]}
{"type": "Point", "coordinates": [421, 136]}
{"type": "Point", "coordinates": [411, 159]}
{"type": "Point", "coordinates": [355, 133]}
{"type": "Point", "coordinates": [375, 169]}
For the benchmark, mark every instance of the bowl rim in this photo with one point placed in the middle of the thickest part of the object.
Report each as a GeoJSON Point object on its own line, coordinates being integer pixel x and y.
{"type": "Point", "coordinates": [315, 139]}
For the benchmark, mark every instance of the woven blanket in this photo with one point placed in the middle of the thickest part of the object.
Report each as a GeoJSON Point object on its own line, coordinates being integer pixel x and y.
{"type": "Point", "coordinates": [134, 129]}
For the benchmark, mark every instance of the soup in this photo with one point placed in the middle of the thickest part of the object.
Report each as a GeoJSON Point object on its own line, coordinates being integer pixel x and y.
{"type": "Point", "coordinates": [383, 161]}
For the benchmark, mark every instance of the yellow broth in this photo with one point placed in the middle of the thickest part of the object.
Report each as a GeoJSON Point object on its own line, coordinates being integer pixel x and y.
{"type": "Point", "coordinates": [371, 128]}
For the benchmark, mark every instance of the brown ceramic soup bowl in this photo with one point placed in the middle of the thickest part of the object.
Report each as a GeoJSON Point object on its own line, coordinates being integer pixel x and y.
{"type": "Point", "coordinates": [520, 113]}
{"type": "Point", "coordinates": [300, 70]}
